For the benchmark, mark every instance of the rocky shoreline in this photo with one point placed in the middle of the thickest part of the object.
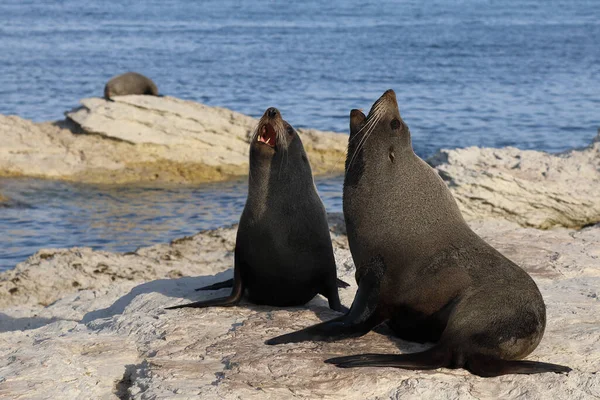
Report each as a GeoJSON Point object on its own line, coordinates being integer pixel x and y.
{"type": "Point", "coordinates": [77, 322]}
{"type": "Point", "coordinates": [91, 324]}
{"type": "Point", "coordinates": [165, 139]}
{"type": "Point", "coordinates": [145, 139]}
{"type": "Point", "coordinates": [532, 188]}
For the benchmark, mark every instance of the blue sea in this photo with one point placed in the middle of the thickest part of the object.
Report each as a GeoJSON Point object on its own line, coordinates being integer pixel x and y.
{"type": "Point", "coordinates": [521, 73]}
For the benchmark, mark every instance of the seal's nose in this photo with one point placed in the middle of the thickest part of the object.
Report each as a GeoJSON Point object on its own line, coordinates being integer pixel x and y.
{"type": "Point", "coordinates": [272, 112]}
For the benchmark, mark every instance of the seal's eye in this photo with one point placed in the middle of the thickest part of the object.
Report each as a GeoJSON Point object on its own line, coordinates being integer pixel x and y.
{"type": "Point", "coordinates": [290, 130]}
{"type": "Point", "coordinates": [395, 124]}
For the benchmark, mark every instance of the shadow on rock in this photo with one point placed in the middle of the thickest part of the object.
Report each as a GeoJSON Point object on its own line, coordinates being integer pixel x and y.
{"type": "Point", "coordinates": [178, 288]}
{"type": "Point", "coordinates": [184, 288]}
{"type": "Point", "coordinates": [8, 323]}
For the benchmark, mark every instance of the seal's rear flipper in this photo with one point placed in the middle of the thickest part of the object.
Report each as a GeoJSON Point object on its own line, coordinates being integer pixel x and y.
{"type": "Point", "coordinates": [487, 366]}
{"type": "Point", "coordinates": [220, 302]}
{"type": "Point", "coordinates": [484, 366]}
{"type": "Point", "coordinates": [361, 318]}
{"type": "Point", "coordinates": [341, 283]}
{"type": "Point", "coordinates": [433, 358]}
{"type": "Point", "coordinates": [219, 285]}
{"type": "Point", "coordinates": [231, 300]}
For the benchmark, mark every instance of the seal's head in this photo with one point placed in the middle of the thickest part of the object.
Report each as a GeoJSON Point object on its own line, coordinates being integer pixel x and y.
{"type": "Point", "coordinates": [278, 163]}
{"type": "Point", "coordinates": [381, 136]}
{"type": "Point", "coordinates": [273, 137]}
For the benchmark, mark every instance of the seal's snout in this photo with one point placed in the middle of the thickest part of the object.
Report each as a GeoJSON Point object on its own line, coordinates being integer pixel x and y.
{"type": "Point", "coordinates": [268, 127]}
{"type": "Point", "coordinates": [390, 95]}
{"type": "Point", "coordinates": [272, 112]}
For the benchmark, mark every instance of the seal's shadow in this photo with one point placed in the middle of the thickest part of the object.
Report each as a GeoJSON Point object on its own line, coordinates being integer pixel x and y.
{"type": "Point", "coordinates": [184, 288]}
{"type": "Point", "coordinates": [9, 324]}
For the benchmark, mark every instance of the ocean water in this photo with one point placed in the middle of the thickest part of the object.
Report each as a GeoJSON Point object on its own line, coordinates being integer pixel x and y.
{"type": "Point", "coordinates": [472, 72]}
{"type": "Point", "coordinates": [46, 214]}
{"type": "Point", "coordinates": [524, 73]}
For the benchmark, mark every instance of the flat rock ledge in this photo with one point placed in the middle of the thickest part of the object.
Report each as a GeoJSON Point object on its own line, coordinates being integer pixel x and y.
{"type": "Point", "coordinates": [165, 139]}
{"type": "Point", "coordinates": [145, 139]}
{"type": "Point", "coordinates": [79, 323]}
{"type": "Point", "coordinates": [531, 188]}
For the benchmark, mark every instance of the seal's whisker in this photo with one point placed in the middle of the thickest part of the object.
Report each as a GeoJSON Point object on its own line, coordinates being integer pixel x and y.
{"type": "Point", "coordinates": [358, 146]}
{"type": "Point", "coordinates": [375, 121]}
{"type": "Point", "coordinates": [365, 126]}
{"type": "Point", "coordinates": [350, 140]}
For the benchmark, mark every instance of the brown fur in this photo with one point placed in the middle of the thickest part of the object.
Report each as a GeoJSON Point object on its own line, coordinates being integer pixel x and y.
{"type": "Point", "coordinates": [129, 83]}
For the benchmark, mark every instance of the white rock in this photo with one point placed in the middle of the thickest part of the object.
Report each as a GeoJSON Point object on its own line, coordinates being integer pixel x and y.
{"type": "Point", "coordinates": [531, 188]}
{"type": "Point", "coordinates": [164, 139]}
{"type": "Point", "coordinates": [110, 336]}
{"type": "Point", "coordinates": [145, 138]}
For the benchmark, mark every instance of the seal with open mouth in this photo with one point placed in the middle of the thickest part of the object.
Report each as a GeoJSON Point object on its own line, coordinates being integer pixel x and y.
{"type": "Point", "coordinates": [421, 269]}
{"type": "Point", "coordinates": [283, 251]}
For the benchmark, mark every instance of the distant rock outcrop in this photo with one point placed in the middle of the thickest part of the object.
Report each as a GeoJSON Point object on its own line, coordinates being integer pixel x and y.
{"type": "Point", "coordinates": [532, 188]}
{"type": "Point", "coordinates": [79, 323]}
{"type": "Point", "coordinates": [145, 138]}
{"type": "Point", "coordinates": [164, 139]}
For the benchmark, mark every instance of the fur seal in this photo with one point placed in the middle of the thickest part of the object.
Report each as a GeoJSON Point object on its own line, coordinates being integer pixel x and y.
{"type": "Point", "coordinates": [421, 269]}
{"type": "Point", "coordinates": [283, 251]}
{"type": "Point", "coordinates": [129, 83]}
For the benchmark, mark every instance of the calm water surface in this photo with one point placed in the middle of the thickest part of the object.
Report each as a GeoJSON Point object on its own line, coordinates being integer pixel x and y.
{"type": "Point", "coordinates": [119, 218]}
{"type": "Point", "coordinates": [473, 72]}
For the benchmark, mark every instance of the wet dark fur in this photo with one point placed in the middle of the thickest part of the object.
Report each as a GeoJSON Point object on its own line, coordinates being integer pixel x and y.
{"type": "Point", "coordinates": [283, 252]}
{"type": "Point", "coordinates": [421, 269]}
{"type": "Point", "coordinates": [129, 83]}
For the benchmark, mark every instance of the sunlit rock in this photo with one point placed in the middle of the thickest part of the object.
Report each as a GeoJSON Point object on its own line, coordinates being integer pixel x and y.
{"type": "Point", "coordinates": [91, 324]}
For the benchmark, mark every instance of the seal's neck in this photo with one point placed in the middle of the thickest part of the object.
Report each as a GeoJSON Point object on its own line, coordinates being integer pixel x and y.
{"type": "Point", "coordinates": [258, 185]}
{"type": "Point", "coordinates": [275, 186]}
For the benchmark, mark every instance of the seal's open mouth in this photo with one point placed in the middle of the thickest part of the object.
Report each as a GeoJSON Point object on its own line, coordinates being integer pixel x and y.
{"type": "Point", "coordinates": [267, 135]}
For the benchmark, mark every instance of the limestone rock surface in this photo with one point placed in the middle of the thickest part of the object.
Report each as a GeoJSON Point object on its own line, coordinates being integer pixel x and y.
{"type": "Point", "coordinates": [165, 139]}
{"type": "Point", "coordinates": [79, 323]}
{"type": "Point", "coordinates": [531, 188]}
{"type": "Point", "coordinates": [145, 138]}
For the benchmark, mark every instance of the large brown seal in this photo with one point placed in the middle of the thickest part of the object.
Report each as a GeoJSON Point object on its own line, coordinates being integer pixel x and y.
{"type": "Point", "coordinates": [129, 83]}
{"type": "Point", "coordinates": [421, 269]}
{"type": "Point", "coordinates": [283, 251]}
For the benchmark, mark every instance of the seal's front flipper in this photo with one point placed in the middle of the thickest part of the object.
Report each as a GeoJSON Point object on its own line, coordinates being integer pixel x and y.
{"type": "Point", "coordinates": [341, 284]}
{"type": "Point", "coordinates": [231, 300]}
{"type": "Point", "coordinates": [334, 299]}
{"type": "Point", "coordinates": [361, 318]}
{"type": "Point", "coordinates": [219, 285]}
